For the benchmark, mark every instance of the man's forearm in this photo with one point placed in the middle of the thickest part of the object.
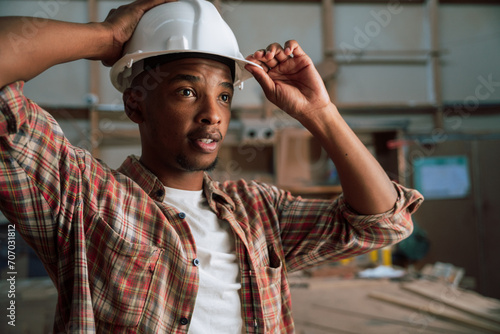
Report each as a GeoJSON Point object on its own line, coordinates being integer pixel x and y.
{"type": "Point", "coordinates": [29, 45]}
{"type": "Point", "coordinates": [365, 185]}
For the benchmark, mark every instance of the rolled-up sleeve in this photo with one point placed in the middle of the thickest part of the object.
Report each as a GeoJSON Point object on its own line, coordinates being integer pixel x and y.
{"type": "Point", "coordinates": [12, 108]}
{"type": "Point", "coordinates": [318, 231]}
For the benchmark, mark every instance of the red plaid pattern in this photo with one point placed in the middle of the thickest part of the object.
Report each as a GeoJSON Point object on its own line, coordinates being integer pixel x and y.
{"type": "Point", "coordinates": [122, 260]}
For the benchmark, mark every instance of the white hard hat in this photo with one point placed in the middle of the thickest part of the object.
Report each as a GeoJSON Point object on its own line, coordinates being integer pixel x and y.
{"type": "Point", "coordinates": [185, 26]}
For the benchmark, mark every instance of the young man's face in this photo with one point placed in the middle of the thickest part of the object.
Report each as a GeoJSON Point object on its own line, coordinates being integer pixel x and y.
{"type": "Point", "coordinates": [185, 117]}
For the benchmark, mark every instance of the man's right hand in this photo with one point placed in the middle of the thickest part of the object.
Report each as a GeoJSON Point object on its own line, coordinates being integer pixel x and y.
{"type": "Point", "coordinates": [122, 23]}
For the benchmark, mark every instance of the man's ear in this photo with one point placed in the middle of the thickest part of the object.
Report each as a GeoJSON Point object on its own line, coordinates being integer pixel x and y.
{"type": "Point", "coordinates": [133, 107]}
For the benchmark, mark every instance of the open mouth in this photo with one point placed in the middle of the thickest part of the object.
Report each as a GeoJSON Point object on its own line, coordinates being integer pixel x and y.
{"type": "Point", "coordinates": [206, 140]}
{"type": "Point", "coordinates": [205, 145]}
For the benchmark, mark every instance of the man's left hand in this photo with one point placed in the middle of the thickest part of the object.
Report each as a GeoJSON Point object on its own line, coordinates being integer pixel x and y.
{"type": "Point", "coordinates": [290, 80]}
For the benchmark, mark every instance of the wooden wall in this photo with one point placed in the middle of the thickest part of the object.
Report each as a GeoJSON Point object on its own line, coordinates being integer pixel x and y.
{"type": "Point", "coordinates": [466, 232]}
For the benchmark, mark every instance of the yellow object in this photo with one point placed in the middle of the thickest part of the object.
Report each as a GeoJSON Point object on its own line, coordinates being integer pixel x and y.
{"type": "Point", "coordinates": [386, 256]}
{"type": "Point", "coordinates": [374, 256]}
{"type": "Point", "coordinates": [381, 256]}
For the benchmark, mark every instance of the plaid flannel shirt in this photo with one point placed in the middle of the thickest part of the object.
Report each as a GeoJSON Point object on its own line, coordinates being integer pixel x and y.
{"type": "Point", "coordinates": [122, 260]}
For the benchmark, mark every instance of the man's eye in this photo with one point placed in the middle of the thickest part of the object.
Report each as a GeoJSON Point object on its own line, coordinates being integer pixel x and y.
{"type": "Point", "coordinates": [225, 98]}
{"type": "Point", "coordinates": [186, 92]}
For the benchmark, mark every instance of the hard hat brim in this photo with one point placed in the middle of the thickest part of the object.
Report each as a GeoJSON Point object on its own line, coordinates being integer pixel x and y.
{"type": "Point", "coordinates": [124, 64]}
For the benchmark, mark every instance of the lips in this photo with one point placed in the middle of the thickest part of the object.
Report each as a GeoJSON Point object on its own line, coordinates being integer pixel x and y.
{"type": "Point", "coordinates": [205, 141]}
{"type": "Point", "coordinates": [205, 145]}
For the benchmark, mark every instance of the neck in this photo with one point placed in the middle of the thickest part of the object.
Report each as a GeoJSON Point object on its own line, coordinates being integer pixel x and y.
{"type": "Point", "coordinates": [176, 178]}
{"type": "Point", "coordinates": [183, 181]}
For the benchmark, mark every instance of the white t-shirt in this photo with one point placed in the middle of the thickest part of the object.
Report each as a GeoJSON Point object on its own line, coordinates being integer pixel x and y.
{"type": "Point", "coordinates": [218, 304]}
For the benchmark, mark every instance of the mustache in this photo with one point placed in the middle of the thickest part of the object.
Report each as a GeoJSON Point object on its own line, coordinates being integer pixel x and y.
{"type": "Point", "coordinates": [206, 133]}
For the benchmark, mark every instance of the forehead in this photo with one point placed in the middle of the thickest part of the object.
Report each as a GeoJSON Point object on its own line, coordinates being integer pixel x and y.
{"type": "Point", "coordinates": [198, 66]}
{"type": "Point", "coordinates": [208, 71]}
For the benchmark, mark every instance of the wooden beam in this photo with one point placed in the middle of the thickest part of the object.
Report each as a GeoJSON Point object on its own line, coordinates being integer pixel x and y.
{"type": "Point", "coordinates": [338, 1]}
{"type": "Point", "coordinates": [386, 109]}
{"type": "Point", "coordinates": [439, 310]}
{"type": "Point", "coordinates": [468, 2]}
{"type": "Point", "coordinates": [67, 113]}
{"type": "Point", "coordinates": [328, 67]}
{"type": "Point", "coordinates": [434, 63]}
{"type": "Point", "coordinates": [409, 2]}
{"type": "Point", "coordinates": [463, 300]}
{"type": "Point", "coordinates": [328, 34]}
{"type": "Point", "coordinates": [449, 110]}
{"type": "Point", "coordinates": [94, 88]}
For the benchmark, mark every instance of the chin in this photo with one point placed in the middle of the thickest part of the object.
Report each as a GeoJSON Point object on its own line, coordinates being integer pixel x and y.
{"type": "Point", "coordinates": [196, 166]}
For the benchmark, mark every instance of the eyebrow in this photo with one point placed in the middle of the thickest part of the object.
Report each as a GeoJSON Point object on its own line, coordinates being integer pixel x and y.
{"type": "Point", "coordinates": [194, 79]}
{"type": "Point", "coordinates": [228, 85]}
{"type": "Point", "coordinates": [184, 77]}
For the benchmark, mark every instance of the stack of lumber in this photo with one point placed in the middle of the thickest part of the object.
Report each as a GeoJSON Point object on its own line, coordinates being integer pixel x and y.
{"type": "Point", "coordinates": [382, 306]}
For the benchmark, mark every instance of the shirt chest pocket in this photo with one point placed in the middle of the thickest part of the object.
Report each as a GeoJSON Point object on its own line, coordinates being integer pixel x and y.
{"type": "Point", "coordinates": [120, 275]}
{"type": "Point", "coordinates": [269, 282]}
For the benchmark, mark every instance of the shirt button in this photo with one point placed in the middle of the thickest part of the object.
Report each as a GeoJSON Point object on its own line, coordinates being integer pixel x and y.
{"type": "Point", "coordinates": [184, 321]}
{"type": "Point", "coordinates": [181, 215]}
{"type": "Point", "coordinates": [196, 262]}
{"type": "Point", "coordinates": [159, 192]}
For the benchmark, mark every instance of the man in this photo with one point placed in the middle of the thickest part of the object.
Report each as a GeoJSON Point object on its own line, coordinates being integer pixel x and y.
{"type": "Point", "coordinates": [156, 246]}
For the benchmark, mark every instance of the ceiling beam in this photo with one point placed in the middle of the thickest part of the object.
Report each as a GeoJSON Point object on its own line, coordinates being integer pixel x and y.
{"type": "Point", "coordinates": [467, 2]}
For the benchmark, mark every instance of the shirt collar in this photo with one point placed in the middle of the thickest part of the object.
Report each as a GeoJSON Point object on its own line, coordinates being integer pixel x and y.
{"type": "Point", "coordinates": [134, 169]}
{"type": "Point", "coordinates": [213, 192]}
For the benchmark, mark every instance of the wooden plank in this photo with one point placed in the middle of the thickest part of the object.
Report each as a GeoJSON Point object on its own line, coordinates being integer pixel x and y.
{"type": "Point", "coordinates": [372, 322]}
{"type": "Point", "coordinates": [437, 309]}
{"type": "Point", "coordinates": [466, 301]}
{"type": "Point", "coordinates": [343, 306]}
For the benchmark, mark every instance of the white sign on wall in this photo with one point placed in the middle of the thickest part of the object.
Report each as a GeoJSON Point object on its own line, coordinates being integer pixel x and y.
{"type": "Point", "coordinates": [442, 177]}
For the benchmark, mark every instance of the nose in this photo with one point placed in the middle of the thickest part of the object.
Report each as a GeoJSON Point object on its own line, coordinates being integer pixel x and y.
{"type": "Point", "coordinates": [210, 113]}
